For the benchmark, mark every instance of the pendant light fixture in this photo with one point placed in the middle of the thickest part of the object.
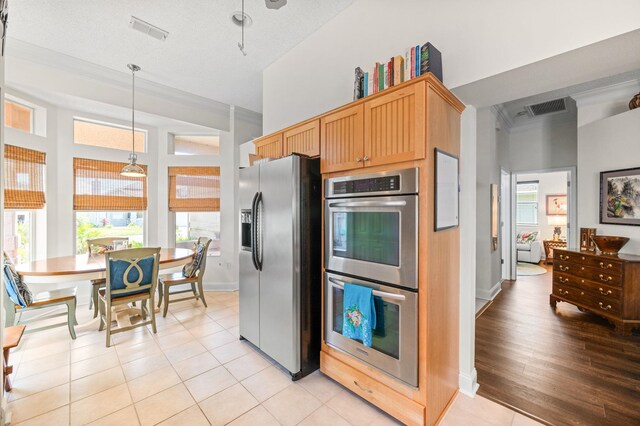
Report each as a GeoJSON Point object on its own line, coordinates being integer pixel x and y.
{"type": "Point", "coordinates": [244, 19]}
{"type": "Point", "coordinates": [133, 169]}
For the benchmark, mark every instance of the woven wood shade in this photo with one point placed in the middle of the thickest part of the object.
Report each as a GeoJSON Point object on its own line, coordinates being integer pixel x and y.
{"type": "Point", "coordinates": [194, 189]}
{"type": "Point", "coordinates": [23, 178]}
{"type": "Point", "coordinates": [99, 186]}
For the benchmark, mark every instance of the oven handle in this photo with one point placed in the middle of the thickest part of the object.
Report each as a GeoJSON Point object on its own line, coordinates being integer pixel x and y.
{"type": "Point", "coordinates": [368, 204]}
{"type": "Point", "coordinates": [375, 292]}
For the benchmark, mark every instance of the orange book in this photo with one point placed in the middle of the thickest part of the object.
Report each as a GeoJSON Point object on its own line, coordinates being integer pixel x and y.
{"type": "Point", "coordinates": [398, 69]}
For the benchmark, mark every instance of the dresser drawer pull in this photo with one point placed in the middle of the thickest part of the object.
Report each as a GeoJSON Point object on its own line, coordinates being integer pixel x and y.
{"type": "Point", "coordinates": [361, 388]}
{"type": "Point", "coordinates": [563, 280]}
{"type": "Point", "coordinates": [563, 292]}
{"type": "Point", "coordinates": [604, 293]}
{"type": "Point", "coordinates": [605, 279]}
{"type": "Point", "coordinates": [563, 268]}
{"type": "Point", "coordinates": [607, 266]}
{"type": "Point", "coordinates": [563, 257]}
{"type": "Point", "coordinates": [604, 308]}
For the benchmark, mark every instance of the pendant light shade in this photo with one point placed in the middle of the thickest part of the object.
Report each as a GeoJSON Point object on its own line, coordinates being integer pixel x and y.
{"type": "Point", "coordinates": [133, 169]}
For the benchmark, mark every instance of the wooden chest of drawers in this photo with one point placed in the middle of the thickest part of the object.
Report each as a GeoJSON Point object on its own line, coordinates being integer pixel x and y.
{"type": "Point", "coordinates": [606, 285]}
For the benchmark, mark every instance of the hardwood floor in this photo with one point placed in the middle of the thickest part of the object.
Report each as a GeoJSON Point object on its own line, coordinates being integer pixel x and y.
{"type": "Point", "coordinates": [563, 366]}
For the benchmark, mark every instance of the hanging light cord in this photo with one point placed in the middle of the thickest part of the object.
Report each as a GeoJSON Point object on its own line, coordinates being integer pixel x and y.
{"type": "Point", "coordinates": [244, 17]}
{"type": "Point", "coordinates": [133, 110]}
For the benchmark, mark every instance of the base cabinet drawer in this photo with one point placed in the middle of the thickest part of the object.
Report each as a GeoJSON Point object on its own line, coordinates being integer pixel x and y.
{"type": "Point", "coordinates": [402, 408]}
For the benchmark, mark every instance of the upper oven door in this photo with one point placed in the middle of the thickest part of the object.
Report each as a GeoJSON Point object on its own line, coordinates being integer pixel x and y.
{"type": "Point", "coordinates": [373, 237]}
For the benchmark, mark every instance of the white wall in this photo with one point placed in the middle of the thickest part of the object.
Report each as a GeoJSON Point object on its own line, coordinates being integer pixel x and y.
{"type": "Point", "coordinates": [477, 40]}
{"type": "Point", "coordinates": [548, 145]}
{"type": "Point", "coordinates": [608, 144]}
{"type": "Point", "coordinates": [548, 184]}
{"type": "Point", "coordinates": [488, 270]}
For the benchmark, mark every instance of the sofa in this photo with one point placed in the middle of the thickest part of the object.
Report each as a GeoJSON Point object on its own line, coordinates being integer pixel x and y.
{"type": "Point", "coordinates": [528, 247]}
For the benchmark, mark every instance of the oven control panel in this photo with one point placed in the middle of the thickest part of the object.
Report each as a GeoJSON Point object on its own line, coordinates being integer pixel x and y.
{"type": "Point", "coordinates": [380, 184]}
{"type": "Point", "coordinates": [404, 181]}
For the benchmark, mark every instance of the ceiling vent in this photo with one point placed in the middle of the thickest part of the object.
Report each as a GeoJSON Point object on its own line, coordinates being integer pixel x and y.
{"type": "Point", "coordinates": [148, 29]}
{"type": "Point", "coordinates": [544, 108]}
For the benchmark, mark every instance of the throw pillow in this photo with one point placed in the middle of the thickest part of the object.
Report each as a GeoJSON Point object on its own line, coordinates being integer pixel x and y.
{"type": "Point", "coordinates": [23, 290]}
{"type": "Point", "coordinates": [190, 269]}
{"type": "Point", "coordinates": [526, 237]}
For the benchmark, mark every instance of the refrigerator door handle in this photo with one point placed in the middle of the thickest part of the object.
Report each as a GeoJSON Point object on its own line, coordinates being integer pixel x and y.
{"type": "Point", "coordinates": [254, 209]}
{"type": "Point", "coordinates": [259, 231]}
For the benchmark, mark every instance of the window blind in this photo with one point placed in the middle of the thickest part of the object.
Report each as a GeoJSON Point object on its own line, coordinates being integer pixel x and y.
{"type": "Point", "coordinates": [23, 178]}
{"type": "Point", "coordinates": [194, 189]}
{"type": "Point", "coordinates": [99, 186]}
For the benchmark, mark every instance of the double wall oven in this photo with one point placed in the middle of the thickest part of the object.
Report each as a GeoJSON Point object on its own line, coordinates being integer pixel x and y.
{"type": "Point", "coordinates": [371, 239]}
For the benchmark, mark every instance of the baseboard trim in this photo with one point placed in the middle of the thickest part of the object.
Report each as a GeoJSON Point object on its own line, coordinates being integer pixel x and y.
{"type": "Point", "coordinates": [469, 383]}
{"type": "Point", "coordinates": [491, 293]}
{"type": "Point", "coordinates": [221, 286]}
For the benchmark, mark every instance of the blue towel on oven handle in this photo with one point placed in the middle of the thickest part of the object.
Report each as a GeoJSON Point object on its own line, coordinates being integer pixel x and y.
{"type": "Point", "coordinates": [359, 313]}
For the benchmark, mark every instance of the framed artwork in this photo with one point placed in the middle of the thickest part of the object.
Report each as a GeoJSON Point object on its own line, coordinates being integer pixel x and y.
{"type": "Point", "coordinates": [447, 188]}
{"type": "Point", "coordinates": [495, 216]}
{"type": "Point", "coordinates": [620, 197]}
{"type": "Point", "coordinates": [557, 205]}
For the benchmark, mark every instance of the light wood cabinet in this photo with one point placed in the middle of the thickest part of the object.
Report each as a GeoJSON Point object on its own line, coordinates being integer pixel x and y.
{"type": "Point", "coordinates": [342, 139]}
{"type": "Point", "coordinates": [395, 126]}
{"type": "Point", "coordinates": [303, 139]}
{"type": "Point", "coordinates": [269, 146]}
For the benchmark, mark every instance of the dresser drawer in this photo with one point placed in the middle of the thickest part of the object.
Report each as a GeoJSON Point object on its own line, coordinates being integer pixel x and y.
{"type": "Point", "coordinates": [580, 271]}
{"type": "Point", "coordinates": [587, 298]}
{"type": "Point", "coordinates": [611, 266]}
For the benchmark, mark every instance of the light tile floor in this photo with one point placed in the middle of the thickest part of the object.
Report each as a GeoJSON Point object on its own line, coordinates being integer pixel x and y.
{"type": "Point", "coordinates": [195, 371]}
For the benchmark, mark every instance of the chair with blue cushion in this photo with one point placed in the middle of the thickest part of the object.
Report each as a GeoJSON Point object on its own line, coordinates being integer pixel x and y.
{"type": "Point", "coordinates": [18, 300]}
{"type": "Point", "coordinates": [132, 276]}
{"type": "Point", "coordinates": [191, 274]}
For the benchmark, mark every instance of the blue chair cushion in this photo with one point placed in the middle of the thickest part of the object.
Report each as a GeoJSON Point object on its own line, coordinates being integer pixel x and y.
{"type": "Point", "coordinates": [117, 269]}
{"type": "Point", "coordinates": [15, 280]}
{"type": "Point", "coordinates": [11, 288]}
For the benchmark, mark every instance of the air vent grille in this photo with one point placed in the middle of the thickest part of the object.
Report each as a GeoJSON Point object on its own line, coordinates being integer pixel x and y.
{"type": "Point", "coordinates": [549, 107]}
{"type": "Point", "coordinates": [148, 29]}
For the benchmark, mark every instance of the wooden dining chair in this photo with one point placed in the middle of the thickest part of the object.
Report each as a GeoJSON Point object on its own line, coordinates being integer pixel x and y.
{"type": "Point", "coordinates": [132, 276]}
{"type": "Point", "coordinates": [191, 274]}
{"type": "Point", "coordinates": [99, 246]}
{"type": "Point", "coordinates": [15, 304]}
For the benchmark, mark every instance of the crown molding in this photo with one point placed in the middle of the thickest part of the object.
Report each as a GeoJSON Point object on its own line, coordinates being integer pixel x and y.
{"type": "Point", "coordinates": [616, 92]}
{"type": "Point", "coordinates": [122, 80]}
{"type": "Point", "coordinates": [247, 116]}
{"type": "Point", "coordinates": [502, 117]}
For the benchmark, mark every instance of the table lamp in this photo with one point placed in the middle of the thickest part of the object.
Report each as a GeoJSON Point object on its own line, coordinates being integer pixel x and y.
{"type": "Point", "coordinates": [557, 222]}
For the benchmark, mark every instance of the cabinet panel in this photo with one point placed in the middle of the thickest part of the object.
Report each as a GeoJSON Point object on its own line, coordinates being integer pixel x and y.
{"type": "Point", "coordinates": [341, 136]}
{"type": "Point", "coordinates": [303, 139]}
{"type": "Point", "coordinates": [270, 147]}
{"type": "Point", "coordinates": [395, 126]}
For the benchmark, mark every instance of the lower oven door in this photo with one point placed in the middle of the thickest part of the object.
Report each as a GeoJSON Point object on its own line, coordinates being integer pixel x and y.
{"type": "Point", "coordinates": [394, 348]}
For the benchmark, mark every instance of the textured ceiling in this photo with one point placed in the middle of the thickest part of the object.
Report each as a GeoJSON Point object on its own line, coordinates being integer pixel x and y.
{"type": "Point", "coordinates": [200, 55]}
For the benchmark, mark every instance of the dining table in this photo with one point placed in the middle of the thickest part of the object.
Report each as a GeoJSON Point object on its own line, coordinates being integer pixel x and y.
{"type": "Point", "coordinates": [85, 267]}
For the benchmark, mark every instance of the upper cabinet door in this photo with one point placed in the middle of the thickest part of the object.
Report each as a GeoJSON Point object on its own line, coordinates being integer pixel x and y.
{"type": "Point", "coordinates": [270, 146]}
{"type": "Point", "coordinates": [394, 126]}
{"type": "Point", "coordinates": [341, 136]}
{"type": "Point", "coordinates": [304, 139]}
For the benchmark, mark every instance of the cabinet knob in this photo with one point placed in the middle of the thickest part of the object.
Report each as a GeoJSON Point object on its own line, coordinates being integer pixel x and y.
{"type": "Point", "coordinates": [366, 158]}
{"type": "Point", "coordinates": [604, 293]}
{"type": "Point", "coordinates": [607, 266]}
{"type": "Point", "coordinates": [563, 280]}
{"type": "Point", "coordinates": [563, 268]}
{"type": "Point", "coordinates": [563, 291]}
{"type": "Point", "coordinates": [563, 257]}
{"type": "Point", "coordinates": [358, 159]}
{"type": "Point", "coordinates": [604, 308]}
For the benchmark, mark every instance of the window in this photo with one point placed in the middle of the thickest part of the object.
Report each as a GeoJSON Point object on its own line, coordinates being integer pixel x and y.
{"type": "Point", "coordinates": [196, 145]}
{"type": "Point", "coordinates": [194, 197]}
{"type": "Point", "coordinates": [18, 116]}
{"type": "Point", "coordinates": [109, 224]}
{"type": "Point", "coordinates": [18, 235]}
{"type": "Point", "coordinates": [107, 203]}
{"type": "Point", "coordinates": [527, 203]}
{"type": "Point", "coordinates": [106, 135]}
{"type": "Point", "coordinates": [192, 225]}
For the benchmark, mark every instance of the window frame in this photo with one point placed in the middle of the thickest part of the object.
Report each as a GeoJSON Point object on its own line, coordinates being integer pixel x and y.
{"type": "Point", "coordinates": [145, 132]}
{"type": "Point", "coordinates": [171, 149]}
{"type": "Point", "coordinates": [32, 115]}
{"type": "Point", "coordinates": [145, 227]}
{"type": "Point", "coordinates": [33, 229]}
{"type": "Point", "coordinates": [535, 203]}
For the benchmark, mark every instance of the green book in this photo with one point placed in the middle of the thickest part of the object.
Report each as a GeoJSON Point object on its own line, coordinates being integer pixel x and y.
{"type": "Point", "coordinates": [380, 77]}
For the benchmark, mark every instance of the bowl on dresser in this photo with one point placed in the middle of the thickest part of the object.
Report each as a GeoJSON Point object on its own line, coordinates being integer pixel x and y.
{"type": "Point", "coordinates": [608, 244]}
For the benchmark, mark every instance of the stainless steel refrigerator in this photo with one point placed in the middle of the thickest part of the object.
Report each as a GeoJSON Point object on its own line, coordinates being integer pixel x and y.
{"type": "Point", "coordinates": [280, 261]}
